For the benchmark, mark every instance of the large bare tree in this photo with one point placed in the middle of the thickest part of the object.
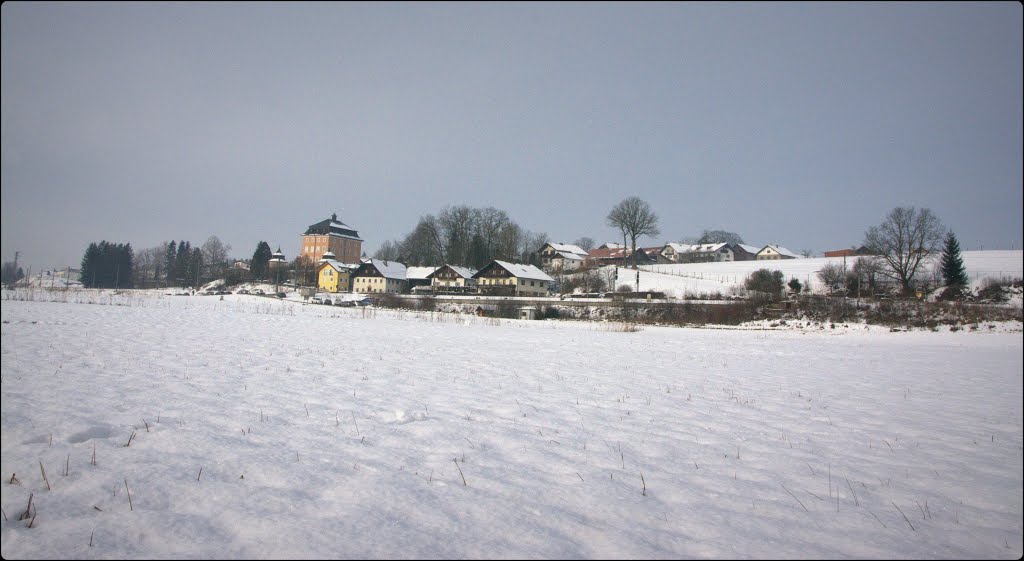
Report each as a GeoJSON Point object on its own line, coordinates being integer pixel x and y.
{"type": "Point", "coordinates": [904, 240]}
{"type": "Point", "coordinates": [634, 218]}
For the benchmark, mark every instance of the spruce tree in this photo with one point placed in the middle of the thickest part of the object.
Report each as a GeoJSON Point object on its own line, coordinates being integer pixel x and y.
{"type": "Point", "coordinates": [90, 262]}
{"type": "Point", "coordinates": [170, 258]}
{"type": "Point", "coordinates": [954, 274]}
{"type": "Point", "coordinates": [260, 260]}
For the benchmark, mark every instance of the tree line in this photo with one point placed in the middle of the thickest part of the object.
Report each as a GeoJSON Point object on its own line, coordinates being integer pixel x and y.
{"type": "Point", "coordinates": [462, 235]}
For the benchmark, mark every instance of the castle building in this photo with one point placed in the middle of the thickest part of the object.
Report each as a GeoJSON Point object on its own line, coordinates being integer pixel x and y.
{"type": "Point", "coordinates": [332, 236]}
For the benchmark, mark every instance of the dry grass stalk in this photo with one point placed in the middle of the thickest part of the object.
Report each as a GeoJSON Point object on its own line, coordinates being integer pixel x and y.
{"type": "Point", "coordinates": [44, 476]}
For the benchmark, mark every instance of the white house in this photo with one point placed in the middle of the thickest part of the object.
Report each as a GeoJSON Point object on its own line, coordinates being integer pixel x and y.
{"type": "Point", "coordinates": [378, 275]}
{"type": "Point", "coordinates": [697, 253]}
{"type": "Point", "coordinates": [562, 257]}
{"type": "Point", "coordinates": [773, 252]}
{"type": "Point", "coordinates": [452, 278]}
{"type": "Point", "coordinates": [512, 279]}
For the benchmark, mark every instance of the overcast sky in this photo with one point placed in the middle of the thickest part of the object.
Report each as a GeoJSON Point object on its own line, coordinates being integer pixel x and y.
{"type": "Point", "coordinates": [798, 124]}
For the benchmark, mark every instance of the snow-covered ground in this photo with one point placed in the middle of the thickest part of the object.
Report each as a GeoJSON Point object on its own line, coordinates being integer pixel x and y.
{"type": "Point", "coordinates": [255, 428]}
{"type": "Point", "coordinates": [708, 278]}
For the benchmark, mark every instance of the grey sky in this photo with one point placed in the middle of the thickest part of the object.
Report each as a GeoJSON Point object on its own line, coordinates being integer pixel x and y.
{"type": "Point", "coordinates": [798, 124]}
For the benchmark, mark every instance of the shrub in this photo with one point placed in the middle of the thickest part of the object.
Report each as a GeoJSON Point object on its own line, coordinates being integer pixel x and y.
{"type": "Point", "coordinates": [795, 285]}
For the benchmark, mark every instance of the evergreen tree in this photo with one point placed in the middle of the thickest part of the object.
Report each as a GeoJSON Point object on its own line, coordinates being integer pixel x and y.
{"type": "Point", "coordinates": [170, 258]}
{"type": "Point", "coordinates": [181, 263]}
{"type": "Point", "coordinates": [954, 274]}
{"type": "Point", "coordinates": [194, 266]}
{"type": "Point", "coordinates": [260, 258]}
{"type": "Point", "coordinates": [90, 264]}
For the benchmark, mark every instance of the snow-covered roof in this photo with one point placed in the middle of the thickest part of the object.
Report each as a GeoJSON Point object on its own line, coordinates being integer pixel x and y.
{"type": "Point", "coordinates": [388, 269]}
{"type": "Point", "coordinates": [333, 227]}
{"type": "Point", "coordinates": [337, 265]}
{"type": "Point", "coordinates": [419, 273]}
{"type": "Point", "coordinates": [568, 248]}
{"type": "Point", "coordinates": [612, 245]}
{"type": "Point", "coordinates": [522, 271]}
{"type": "Point", "coordinates": [779, 249]}
{"type": "Point", "coordinates": [464, 272]}
{"type": "Point", "coordinates": [571, 256]}
{"type": "Point", "coordinates": [749, 248]}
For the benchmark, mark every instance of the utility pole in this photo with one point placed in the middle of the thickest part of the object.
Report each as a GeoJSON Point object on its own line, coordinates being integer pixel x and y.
{"type": "Point", "coordinates": [14, 280]}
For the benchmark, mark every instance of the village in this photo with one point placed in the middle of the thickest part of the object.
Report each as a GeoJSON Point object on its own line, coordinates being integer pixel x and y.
{"type": "Point", "coordinates": [341, 267]}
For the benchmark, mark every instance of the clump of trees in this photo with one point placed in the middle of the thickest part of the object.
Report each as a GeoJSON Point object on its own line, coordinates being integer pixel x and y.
{"type": "Point", "coordinates": [107, 265]}
{"type": "Point", "coordinates": [719, 236]}
{"type": "Point", "coordinates": [767, 282]}
{"type": "Point", "coordinates": [462, 235]}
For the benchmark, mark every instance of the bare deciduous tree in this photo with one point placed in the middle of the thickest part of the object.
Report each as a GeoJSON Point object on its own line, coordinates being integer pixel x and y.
{"type": "Point", "coordinates": [585, 243]}
{"type": "Point", "coordinates": [634, 218]}
{"type": "Point", "coordinates": [215, 256]}
{"type": "Point", "coordinates": [904, 240]}
{"type": "Point", "coordinates": [832, 275]}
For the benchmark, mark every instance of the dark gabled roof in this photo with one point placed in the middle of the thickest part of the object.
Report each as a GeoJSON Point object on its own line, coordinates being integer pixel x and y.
{"type": "Point", "coordinates": [332, 226]}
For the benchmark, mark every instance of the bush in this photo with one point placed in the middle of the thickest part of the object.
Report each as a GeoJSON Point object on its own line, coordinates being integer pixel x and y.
{"type": "Point", "coordinates": [550, 312]}
{"type": "Point", "coordinates": [768, 282]}
{"type": "Point", "coordinates": [624, 288]}
{"type": "Point", "coordinates": [795, 285]}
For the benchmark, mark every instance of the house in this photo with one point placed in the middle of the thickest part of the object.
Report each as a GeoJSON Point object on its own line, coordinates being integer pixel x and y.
{"type": "Point", "coordinates": [419, 277]}
{"type": "Point", "coordinates": [334, 236]}
{"type": "Point", "coordinates": [452, 278]}
{"type": "Point", "coordinates": [741, 252]}
{"type": "Point", "coordinates": [378, 275]}
{"type": "Point", "coordinates": [562, 257]}
{"type": "Point", "coordinates": [862, 250]}
{"type": "Point", "coordinates": [615, 256]}
{"type": "Point", "coordinates": [773, 252]}
{"type": "Point", "coordinates": [502, 278]}
{"type": "Point", "coordinates": [333, 275]}
{"type": "Point", "coordinates": [697, 253]}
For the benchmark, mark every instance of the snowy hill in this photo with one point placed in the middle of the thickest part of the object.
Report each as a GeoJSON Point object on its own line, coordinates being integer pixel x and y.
{"type": "Point", "coordinates": [706, 278]}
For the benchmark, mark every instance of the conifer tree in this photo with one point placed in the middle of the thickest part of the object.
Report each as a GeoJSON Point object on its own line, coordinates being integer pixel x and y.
{"type": "Point", "coordinates": [260, 259]}
{"type": "Point", "coordinates": [170, 259]}
{"type": "Point", "coordinates": [954, 274]}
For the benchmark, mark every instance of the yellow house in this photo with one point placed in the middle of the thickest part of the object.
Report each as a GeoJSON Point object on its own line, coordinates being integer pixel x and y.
{"type": "Point", "coordinates": [334, 276]}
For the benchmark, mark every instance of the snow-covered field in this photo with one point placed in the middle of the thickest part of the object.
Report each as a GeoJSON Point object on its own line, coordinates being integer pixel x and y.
{"type": "Point", "coordinates": [708, 278]}
{"type": "Point", "coordinates": [254, 428]}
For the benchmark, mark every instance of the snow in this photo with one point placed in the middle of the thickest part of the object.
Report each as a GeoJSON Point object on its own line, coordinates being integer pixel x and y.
{"type": "Point", "coordinates": [680, 280]}
{"type": "Point", "coordinates": [272, 429]}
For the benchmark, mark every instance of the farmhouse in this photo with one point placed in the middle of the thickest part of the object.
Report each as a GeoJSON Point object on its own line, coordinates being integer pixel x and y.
{"type": "Point", "coordinates": [562, 257]}
{"type": "Point", "coordinates": [501, 278]}
{"type": "Point", "coordinates": [773, 252]}
{"type": "Point", "coordinates": [377, 275]}
{"type": "Point", "coordinates": [452, 278]}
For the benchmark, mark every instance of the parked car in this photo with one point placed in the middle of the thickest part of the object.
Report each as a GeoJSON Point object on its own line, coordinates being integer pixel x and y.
{"type": "Point", "coordinates": [242, 291]}
{"type": "Point", "coordinates": [281, 294]}
{"type": "Point", "coordinates": [345, 303]}
{"type": "Point", "coordinates": [327, 301]}
{"type": "Point", "coordinates": [316, 300]}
